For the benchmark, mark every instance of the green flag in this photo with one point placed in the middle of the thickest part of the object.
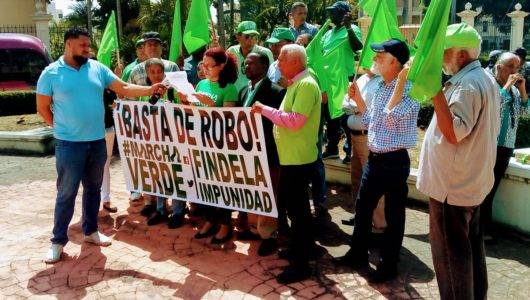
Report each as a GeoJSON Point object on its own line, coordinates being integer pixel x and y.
{"type": "Point", "coordinates": [109, 41]}
{"type": "Point", "coordinates": [369, 7]}
{"type": "Point", "coordinates": [196, 32]}
{"type": "Point", "coordinates": [426, 69]}
{"type": "Point", "coordinates": [315, 59]}
{"type": "Point", "coordinates": [384, 27]}
{"type": "Point", "coordinates": [176, 35]}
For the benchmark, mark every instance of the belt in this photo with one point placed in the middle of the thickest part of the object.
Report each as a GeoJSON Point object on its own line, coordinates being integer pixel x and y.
{"type": "Point", "coordinates": [359, 132]}
{"type": "Point", "coordinates": [391, 154]}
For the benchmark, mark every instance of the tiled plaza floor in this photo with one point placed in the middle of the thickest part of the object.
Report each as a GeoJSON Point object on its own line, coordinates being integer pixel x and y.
{"type": "Point", "coordinates": [155, 262]}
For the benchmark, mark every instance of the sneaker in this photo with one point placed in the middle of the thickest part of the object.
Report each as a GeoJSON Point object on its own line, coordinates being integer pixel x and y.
{"type": "Point", "coordinates": [175, 221]}
{"type": "Point", "coordinates": [148, 210]}
{"type": "Point", "coordinates": [351, 261]}
{"type": "Point", "coordinates": [98, 239]}
{"type": "Point", "coordinates": [157, 218]}
{"type": "Point", "coordinates": [54, 254]}
{"type": "Point", "coordinates": [135, 196]}
{"type": "Point", "coordinates": [267, 247]}
{"type": "Point", "coordinates": [383, 274]}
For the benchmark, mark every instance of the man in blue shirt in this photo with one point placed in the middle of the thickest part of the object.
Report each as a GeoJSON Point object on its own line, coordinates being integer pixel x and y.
{"type": "Point", "coordinates": [391, 123]}
{"type": "Point", "coordinates": [300, 26]}
{"type": "Point", "coordinates": [74, 84]}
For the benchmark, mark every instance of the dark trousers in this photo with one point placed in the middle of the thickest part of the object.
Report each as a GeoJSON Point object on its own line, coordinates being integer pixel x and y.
{"type": "Point", "coordinates": [384, 174]}
{"type": "Point", "coordinates": [78, 162]}
{"type": "Point", "coordinates": [333, 132]}
{"type": "Point", "coordinates": [293, 194]}
{"type": "Point", "coordinates": [218, 215]}
{"type": "Point", "coordinates": [457, 248]}
{"type": "Point", "coordinates": [501, 164]}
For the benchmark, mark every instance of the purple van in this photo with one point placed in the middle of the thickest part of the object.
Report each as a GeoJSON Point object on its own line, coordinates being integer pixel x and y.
{"type": "Point", "coordinates": [22, 59]}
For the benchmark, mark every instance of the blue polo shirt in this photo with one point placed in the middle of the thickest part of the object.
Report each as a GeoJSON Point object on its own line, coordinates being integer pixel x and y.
{"type": "Point", "coordinates": [77, 97]}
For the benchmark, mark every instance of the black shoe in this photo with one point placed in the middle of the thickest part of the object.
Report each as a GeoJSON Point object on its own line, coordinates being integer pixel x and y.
{"type": "Point", "coordinates": [330, 154]}
{"type": "Point", "coordinates": [313, 254]}
{"type": "Point", "coordinates": [247, 235]}
{"type": "Point", "coordinates": [109, 208]}
{"type": "Point", "coordinates": [346, 160]}
{"type": "Point", "coordinates": [383, 274]}
{"type": "Point", "coordinates": [349, 222]}
{"type": "Point", "coordinates": [175, 221]}
{"type": "Point", "coordinates": [156, 219]}
{"type": "Point", "coordinates": [208, 233]}
{"type": "Point", "coordinates": [267, 247]}
{"type": "Point", "coordinates": [226, 238]}
{"type": "Point", "coordinates": [321, 213]}
{"type": "Point", "coordinates": [148, 210]}
{"type": "Point", "coordinates": [349, 260]}
{"type": "Point", "coordinates": [293, 274]}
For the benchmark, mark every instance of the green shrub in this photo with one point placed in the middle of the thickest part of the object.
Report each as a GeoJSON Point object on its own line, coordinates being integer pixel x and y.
{"type": "Point", "coordinates": [523, 136]}
{"type": "Point", "coordinates": [17, 103]}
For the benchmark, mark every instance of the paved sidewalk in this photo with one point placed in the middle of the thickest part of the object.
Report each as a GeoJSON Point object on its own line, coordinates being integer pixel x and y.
{"type": "Point", "coordinates": [155, 262]}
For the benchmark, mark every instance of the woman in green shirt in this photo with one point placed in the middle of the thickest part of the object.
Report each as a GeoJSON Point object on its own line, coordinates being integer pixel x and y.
{"type": "Point", "coordinates": [217, 90]}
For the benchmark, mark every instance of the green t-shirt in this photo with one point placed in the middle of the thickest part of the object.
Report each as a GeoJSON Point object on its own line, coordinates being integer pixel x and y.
{"type": "Point", "coordinates": [339, 63]}
{"type": "Point", "coordinates": [300, 147]}
{"type": "Point", "coordinates": [128, 69]}
{"type": "Point", "coordinates": [242, 80]}
{"type": "Point", "coordinates": [219, 95]}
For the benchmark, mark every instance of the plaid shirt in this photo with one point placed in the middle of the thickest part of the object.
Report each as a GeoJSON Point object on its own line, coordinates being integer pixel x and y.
{"type": "Point", "coordinates": [139, 76]}
{"type": "Point", "coordinates": [395, 129]}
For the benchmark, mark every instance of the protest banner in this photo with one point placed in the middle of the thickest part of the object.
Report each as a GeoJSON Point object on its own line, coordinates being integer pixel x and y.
{"type": "Point", "coordinates": [210, 156]}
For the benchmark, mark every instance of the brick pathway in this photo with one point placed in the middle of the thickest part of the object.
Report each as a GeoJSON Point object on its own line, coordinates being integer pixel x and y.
{"type": "Point", "coordinates": [155, 262]}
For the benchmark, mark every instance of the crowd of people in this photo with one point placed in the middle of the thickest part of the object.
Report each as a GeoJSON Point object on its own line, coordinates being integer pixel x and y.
{"type": "Point", "coordinates": [475, 110]}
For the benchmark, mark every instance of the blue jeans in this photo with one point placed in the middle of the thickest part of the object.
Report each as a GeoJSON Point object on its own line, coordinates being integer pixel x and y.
{"type": "Point", "coordinates": [78, 162]}
{"type": "Point", "coordinates": [177, 206]}
{"type": "Point", "coordinates": [318, 180]}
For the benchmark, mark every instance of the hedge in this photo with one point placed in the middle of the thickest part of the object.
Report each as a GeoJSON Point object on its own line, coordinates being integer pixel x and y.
{"type": "Point", "coordinates": [523, 131]}
{"type": "Point", "coordinates": [17, 103]}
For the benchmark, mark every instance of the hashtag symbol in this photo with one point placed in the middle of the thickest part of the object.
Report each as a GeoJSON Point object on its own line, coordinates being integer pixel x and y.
{"type": "Point", "coordinates": [126, 149]}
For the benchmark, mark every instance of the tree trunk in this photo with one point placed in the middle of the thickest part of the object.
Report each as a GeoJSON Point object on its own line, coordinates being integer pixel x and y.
{"type": "Point", "coordinates": [220, 23]}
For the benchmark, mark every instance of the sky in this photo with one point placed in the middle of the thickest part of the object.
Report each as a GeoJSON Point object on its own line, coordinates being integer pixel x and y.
{"type": "Point", "coordinates": [65, 4]}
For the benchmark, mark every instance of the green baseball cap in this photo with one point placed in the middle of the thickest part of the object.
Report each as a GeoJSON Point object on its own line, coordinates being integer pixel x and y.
{"type": "Point", "coordinates": [139, 42]}
{"type": "Point", "coordinates": [462, 36]}
{"type": "Point", "coordinates": [247, 27]}
{"type": "Point", "coordinates": [280, 34]}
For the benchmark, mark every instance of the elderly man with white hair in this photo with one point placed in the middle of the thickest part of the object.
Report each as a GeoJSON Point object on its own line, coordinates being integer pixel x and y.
{"type": "Point", "coordinates": [295, 131]}
{"type": "Point", "coordinates": [514, 101]}
{"type": "Point", "coordinates": [391, 123]}
{"type": "Point", "coordinates": [456, 166]}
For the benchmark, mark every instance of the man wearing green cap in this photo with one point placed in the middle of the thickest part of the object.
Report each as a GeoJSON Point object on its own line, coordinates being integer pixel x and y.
{"type": "Point", "coordinates": [338, 53]}
{"type": "Point", "coordinates": [140, 57]}
{"type": "Point", "coordinates": [247, 38]}
{"type": "Point", "coordinates": [456, 166]}
{"type": "Point", "coordinates": [280, 37]}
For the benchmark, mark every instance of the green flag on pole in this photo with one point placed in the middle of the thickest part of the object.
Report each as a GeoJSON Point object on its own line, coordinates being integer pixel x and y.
{"type": "Point", "coordinates": [109, 42]}
{"type": "Point", "coordinates": [384, 27]}
{"type": "Point", "coordinates": [426, 69]}
{"type": "Point", "coordinates": [196, 32]}
{"type": "Point", "coordinates": [176, 35]}
{"type": "Point", "coordinates": [315, 59]}
{"type": "Point", "coordinates": [369, 7]}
